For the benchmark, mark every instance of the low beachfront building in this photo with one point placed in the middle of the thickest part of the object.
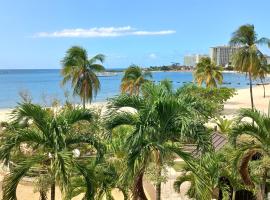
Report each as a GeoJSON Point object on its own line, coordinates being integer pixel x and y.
{"type": "Point", "coordinates": [192, 60]}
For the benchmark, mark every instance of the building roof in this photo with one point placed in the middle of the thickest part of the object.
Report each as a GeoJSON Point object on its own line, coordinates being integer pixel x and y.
{"type": "Point", "coordinates": [218, 141]}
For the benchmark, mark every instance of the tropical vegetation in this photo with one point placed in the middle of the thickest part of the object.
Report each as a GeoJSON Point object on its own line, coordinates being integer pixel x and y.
{"type": "Point", "coordinates": [142, 133]}
{"type": "Point", "coordinates": [81, 70]}
{"type": "Point", "coordinates": [207, 72]}
{"type": "Point", "coordinates": [44, 143]}
{"type": "Point", "coordinates": [133, 78]}
{"type": "Point", "coordinates": [248, 58]}
{"type": "Point", "coordinates": [263, 71]}
{"type": "Point", "coordinates": [78, 151]}
{"type": "Point", "coordinates": [254, 149]}
{"type": "Point", "coordinates": [160, 123]}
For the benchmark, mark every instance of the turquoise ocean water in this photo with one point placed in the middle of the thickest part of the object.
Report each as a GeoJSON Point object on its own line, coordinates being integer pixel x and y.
{"type": "Point", "coordinates": [45, 85]}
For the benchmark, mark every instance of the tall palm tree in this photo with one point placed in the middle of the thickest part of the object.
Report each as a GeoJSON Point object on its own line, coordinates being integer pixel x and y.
{"type": "Point", "coordinates": [133, 79]}
{"type": "Point", "coordinates": [208, 72]}
{"type": "Point", "coordinates": [248, 58]}
{"type": "Point", "coordinates": [161, 123]}
{"type": "Point", "coordinates": [50, 138]}
{"type": "Point", "coordinates": [263, 71]}
{"type": "Point", "coordinates": [256, 125]}
{"type": "Point", "coordinates": [80, 70]}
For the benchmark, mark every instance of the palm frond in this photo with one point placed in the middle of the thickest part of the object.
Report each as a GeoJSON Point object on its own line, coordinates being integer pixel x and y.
{"type": "Point", "coordinates": [244, 35]}
{"type": "Point", "coordinates": [181, 179]}
{"type": "Point", "coordinates": [88, 178]}
{"type": "Point", "coordinates": [88, 139]}
{"type": "Point", "coordinates": [98, 57]}
{"type": "Point", "coordinates": [97, 67]}
{"type": "Point", "coordinates": [12, 180]}
{"type": "Point", "coordinates": [122, 118]}
{"type": "Point", "coordinates": [28, 111]}
{"type": "Point", "coordinates": [263, 41]}
{"type": "Point", "coordinates": [125, 100]}
{"type": "Point", "coordinates": [75, 115]}
{"type": "Point", "coordinates": [62, 167]}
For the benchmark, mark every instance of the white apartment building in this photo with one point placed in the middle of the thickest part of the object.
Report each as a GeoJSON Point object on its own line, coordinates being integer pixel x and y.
{"type": "Point", "coordinates": [222, 55]}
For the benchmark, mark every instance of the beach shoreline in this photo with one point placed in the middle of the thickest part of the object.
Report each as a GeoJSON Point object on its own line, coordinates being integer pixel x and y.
{"type": "Point", "coordinates": [5, 113]}
{"type": "Point", "coordinates": [231, 107]}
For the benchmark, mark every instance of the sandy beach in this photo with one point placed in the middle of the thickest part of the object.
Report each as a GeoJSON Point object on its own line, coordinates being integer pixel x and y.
{"type": "Point", "coordinates": [240, 100]}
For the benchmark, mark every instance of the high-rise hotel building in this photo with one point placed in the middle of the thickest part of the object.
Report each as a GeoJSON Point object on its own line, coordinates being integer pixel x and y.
{"type": "Point", "coordinates": [222, 55]}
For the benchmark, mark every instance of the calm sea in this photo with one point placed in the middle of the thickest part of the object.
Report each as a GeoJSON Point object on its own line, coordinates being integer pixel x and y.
{"type": "Point", "coordinates": [45, 85]}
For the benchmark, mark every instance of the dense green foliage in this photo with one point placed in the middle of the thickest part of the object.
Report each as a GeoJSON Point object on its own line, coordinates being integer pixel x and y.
{"type": "Point", "coordinates": [41, 142]}
{"type": "Point", "coordinates": [257, 129]}
{"type": "Point", "coordinates": [116, 149]}
{"type": "Point", "coordinates": [214, 98]}
{"type": "Point", "coordinates": [161, 122]}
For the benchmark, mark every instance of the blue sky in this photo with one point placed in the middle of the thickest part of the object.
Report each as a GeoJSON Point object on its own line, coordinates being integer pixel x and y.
{"type": "Point", "coordinates": [36, 33]}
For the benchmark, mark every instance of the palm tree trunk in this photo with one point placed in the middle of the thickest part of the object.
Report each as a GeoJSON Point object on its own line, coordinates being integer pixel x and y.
{"type": "Point", "coordinates": [158, 186]}
{"type": "Point", "coordinates": [250, 89]}
{"type": "Point", "coordinates": [263, 183]}
{"type": "Point", "coordinates": [244, 170]}
{"type": "Point", "coordinates": [259, 195]}
{"type": "Point", "coordinates": [53, 190]}
{"type": "Point", "coordinates": [42, 195]}
{"type": "Point", "coordinates": [84, 97]}
{"type": "Point", "coordinates": [138, 191]}
{"type": "Point", "coordinates": [84, 102]}
{"type": "Point", "coordinates": [233, 194]}
{"type": "Point", "coordinates": [263, 88]}
{"type": "Point", "coordinates": [125, 194]}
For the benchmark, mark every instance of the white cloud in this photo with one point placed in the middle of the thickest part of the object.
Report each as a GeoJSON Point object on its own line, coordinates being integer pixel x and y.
{"type": "Point", "coordinates": [152, 56]}
{"type": "Point", "coordinates": [102, 32]}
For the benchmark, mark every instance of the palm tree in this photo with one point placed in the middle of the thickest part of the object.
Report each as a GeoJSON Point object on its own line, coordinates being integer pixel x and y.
{"type": "Point", "coordinates": [256, 125]}
{"type": "Point", "coordinates": [203, 174]}
{"type": "Point", "coordinates": [224, 125]}
{"type": "Point", "coordinates": [248, 58]}
{"type": "Point", "coordinates": [263, 71]}
{"type": "Point", "coordinates": [211, 174]}
{"type": "Point", "coordinates": [80, 70]}
{"type": "Point", "coordinates": [50, 138]}
{"type": "Point", "coordinates": [161, 123]}
{"type": "Point", "coordinates": [208, 72]}
{"type": "Point", "coordinates": [133, 79]}
{"type": "Point", "coordinates": [108, 173]}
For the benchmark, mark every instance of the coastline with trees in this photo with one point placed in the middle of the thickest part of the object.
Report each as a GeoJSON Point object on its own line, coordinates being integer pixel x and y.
{"type": "Point", "coordinates": [93, 153]}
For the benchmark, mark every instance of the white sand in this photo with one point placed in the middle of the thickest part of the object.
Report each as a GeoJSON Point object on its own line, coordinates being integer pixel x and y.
{"type": "Point", "coordinates": [242, 100]}
{"type": "Point", "coordinates": [5, 113]}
